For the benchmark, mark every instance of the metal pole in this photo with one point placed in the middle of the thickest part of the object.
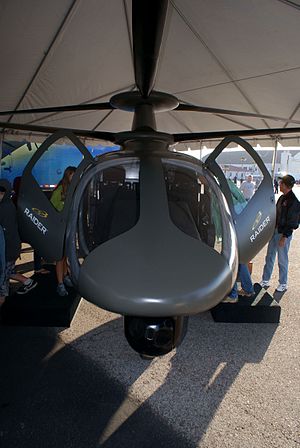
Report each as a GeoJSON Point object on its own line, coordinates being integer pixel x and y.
{"type": "Point", "coordinates": [274, 158]}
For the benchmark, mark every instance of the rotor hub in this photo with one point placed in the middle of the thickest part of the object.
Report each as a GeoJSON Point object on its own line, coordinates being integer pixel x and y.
{"type": "Point", "coordinates": [129, 101]}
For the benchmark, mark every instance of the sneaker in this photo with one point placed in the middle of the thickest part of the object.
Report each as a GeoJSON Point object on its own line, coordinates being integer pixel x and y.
{"type": "Point", "coordinates": [61, 290]}
{"type": "Point", "coordinates": [242, 292]}
{"type": "Point", "coordinates": [281, 287]}
{"type": "Point", "coordinates": [264, 283]}
{"type": "Point", "coordinates": [68, 281]}
{"type": "Point", "coordinates": [229, 299]}
{"type": "Point", "coordinates": [27, 286]}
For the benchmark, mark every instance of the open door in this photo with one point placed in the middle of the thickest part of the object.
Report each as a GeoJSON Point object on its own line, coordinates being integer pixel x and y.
{"type": "Point", "coordinates": [41, 225]}
{"type": "Point", "coordinates": [252, 206]}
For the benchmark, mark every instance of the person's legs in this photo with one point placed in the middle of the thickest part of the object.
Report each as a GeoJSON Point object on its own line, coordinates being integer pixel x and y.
{"type": "Point", "coordinates": [233, 293]}
{"type": "Point", "coordinates": [65, 270]}
{"type": "Point", "coordinates": [270, 257]}
{"type": "Point", "coordinates": [245, 278]}
{"type": "Point", "coordinates": [19, 277]}
{"type": "Point", "coordinates": [67, 279]}
{"type": "Point", "coordinates": [283, 261]}
{"type": "Point", "coordinates": [61, 269]}
{"type": "Point", "coordinates": [27, 283]}
{"type": "Point", "coordinates": [232, 296]}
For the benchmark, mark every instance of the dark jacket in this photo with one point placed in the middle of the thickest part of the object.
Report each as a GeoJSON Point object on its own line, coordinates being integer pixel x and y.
{"type": "Point", "coordinates": [287, 213]}
{"type": "Point", "coordinates": [8, 221]}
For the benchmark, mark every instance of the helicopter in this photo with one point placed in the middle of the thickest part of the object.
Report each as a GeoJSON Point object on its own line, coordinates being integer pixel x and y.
{"type": "Point", "coordinates": [151, 234]}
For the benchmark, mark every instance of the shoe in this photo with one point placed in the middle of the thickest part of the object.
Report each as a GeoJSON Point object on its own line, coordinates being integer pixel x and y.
{"type": "Point", "coordinates": [68, 281]}
{"type": "Point", "coordinates": [281, 287]}
{"type": "Point", "coordinates": [61, 290]}
{"type": "Point", "coordinates": [264, 283]}
{"type": "Point", "coordinates": [229, 299]}
{"type": "Point", "coordinates": [27, 286]}
{"type": "Point", "coordinates": [242, 292]}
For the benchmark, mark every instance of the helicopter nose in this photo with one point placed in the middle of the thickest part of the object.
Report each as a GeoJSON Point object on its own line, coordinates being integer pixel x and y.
{"type": "Point", "coordinates": [163, 265]}
{"type": "Point", "coordinates": [168, 273]}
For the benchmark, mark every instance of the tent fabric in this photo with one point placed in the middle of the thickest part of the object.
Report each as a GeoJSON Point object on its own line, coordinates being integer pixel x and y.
{"type": "Point", "coordinates": [234, 54]}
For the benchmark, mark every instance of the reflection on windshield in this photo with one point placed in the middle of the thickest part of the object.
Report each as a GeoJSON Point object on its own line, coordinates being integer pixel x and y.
{"type": "Point", "coordinates": [239, 202]}
{"type": "Point", "coordinates": [193, 207]}
{"type": "Point", "coordinates": [109, 205]}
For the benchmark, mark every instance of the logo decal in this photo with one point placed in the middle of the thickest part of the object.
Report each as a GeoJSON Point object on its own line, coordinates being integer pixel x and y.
{"type": "Point", "coordinates": [35, 221]}
{"type": "Point", "coordinates": [40, 213]}
{"type": "Point", "coordinates": [256, 221]}
{"type": "Point", "coordinates": [260, 228]}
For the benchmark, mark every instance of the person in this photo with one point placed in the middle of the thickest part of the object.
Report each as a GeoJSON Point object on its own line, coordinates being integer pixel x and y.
{"type": "Point", "coordinates": [246, 284]}
{"type": "Point", "coordinates": [276, 186]}
{"type": "Point", "coordinates": [248, 188]}
{"type": "Point", "coordinates": [287, 220]}
{"type": "Point", "coordinates": [239, 202]}
{"type": "Point", "coordinates": [8, 222]}
{"type": "Point", "coordinates": [58, 200]}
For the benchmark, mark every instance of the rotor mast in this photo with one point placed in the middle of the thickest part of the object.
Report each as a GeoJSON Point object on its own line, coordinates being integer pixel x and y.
{"type": "Point", "coordinates": [148, 22]}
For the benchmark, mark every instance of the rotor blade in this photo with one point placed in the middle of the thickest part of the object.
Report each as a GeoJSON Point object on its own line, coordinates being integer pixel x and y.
{"type": "Point", "coordinates": [70, 108]}
{"type": "Point", "coordinates": [101, 135]}
{"type": "Point", "coordinates": [213, 110]}
{"type": "Point", "coordinates": [148, 20]}
{"type": "Point", "coordinates": [195, 136]}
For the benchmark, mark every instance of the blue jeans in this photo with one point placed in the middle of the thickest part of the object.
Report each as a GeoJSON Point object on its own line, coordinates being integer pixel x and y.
{"type": "Point", "coordinates": [283, 258]}
{"type": "Point", "coordinates": [245, 279]}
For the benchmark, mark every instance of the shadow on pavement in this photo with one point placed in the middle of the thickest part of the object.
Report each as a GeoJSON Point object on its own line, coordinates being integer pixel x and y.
{"type": "Point", "coordinates": [77, 395]}
{"type": "Point", "coordinates": [203, 370]}
{"type": "Point", "coordinates": [63, 399]}
{"type": "Point", "coordinates": [53, 395]}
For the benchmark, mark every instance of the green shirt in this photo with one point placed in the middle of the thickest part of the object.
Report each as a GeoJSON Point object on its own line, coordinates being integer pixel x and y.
{"type": "Point", "coordinates": [56, 199]}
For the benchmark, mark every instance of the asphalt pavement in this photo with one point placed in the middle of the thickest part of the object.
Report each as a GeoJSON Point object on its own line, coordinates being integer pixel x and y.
{"type": "Point", "coordinates": [227, 385]}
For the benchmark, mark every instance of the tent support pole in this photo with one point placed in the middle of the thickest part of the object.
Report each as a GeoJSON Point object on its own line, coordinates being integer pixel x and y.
{"type": "Point", "coordinates": [274, 157]}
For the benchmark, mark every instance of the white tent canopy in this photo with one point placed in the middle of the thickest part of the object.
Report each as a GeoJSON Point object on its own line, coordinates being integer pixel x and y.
{"type": "Point", "coordinates": [234, 54]}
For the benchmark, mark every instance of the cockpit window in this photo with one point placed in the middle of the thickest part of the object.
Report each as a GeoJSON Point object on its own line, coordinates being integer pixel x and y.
{"type": "Point", "coordinates": [109, 205]}
{"type": "Point", "coordinates": [243, 176]}
{"type": "Point", "coordinates": [193, 205]}
{"type": "Point", "coordinates": [53, 171]}
{"type": "Point", "coordinates": [239, 202]}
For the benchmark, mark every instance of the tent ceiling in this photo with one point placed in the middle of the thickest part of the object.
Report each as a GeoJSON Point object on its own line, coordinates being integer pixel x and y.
{"type": "Point", "coordinates": [234, 54]}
